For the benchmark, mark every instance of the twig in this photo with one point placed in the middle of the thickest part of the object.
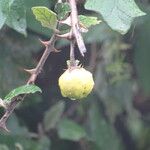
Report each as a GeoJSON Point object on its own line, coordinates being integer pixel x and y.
{"type": "Point", "coordinates": [73, 35]}
{"type": "Point", "coordinates": [75, 27]}
{"type": "Point", "coordinates": [49, 48]}
{"type": "Point", "coordinates": [34, 73]}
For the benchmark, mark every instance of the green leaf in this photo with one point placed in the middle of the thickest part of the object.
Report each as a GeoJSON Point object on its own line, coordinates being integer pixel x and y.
{"type": "Point", "coordinates": [15, 127]}
{"type": "Point", "coordinates": [88, 21]}
{"type": "Point", "coordinates": [118, 14]}
{"type": "Point", "coordinates": [25, 141]}
{"type": "Point", "coordinates": [3, 147]}
{"type": "Point", "coordinates": [47, 17]}
{"type": "Point", "coordinates": [52, 116]}
{"type": "Point", "coordinates": [69, 130]}
{"type": "Point", "coordinates": [62, 10]}
{"type": "Point", "coordinates": [32, 23]}
{"type": "Point", "coordinates": [25, 89]}
{"type": "Point", "coordinates": [16, 18]}
{"type": "Point", "coordinates": [101, 131]}
{"type": "Point", "coordinates": [20, 137]}
{"type": "Point", "coordinates": [44, 143]}
{"type": "Point", "coordinates": [16, 53]}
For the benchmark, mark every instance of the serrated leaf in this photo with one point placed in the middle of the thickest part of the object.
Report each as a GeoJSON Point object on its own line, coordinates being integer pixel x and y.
{"type": "Point", "coordinates": [52, 116]}
{"type": "Point", "coordinates": [16, 18]}
{"type": "Point", "coordinates": [25, 89]}
{"type": "Point", "coordinates": [118, 14]}
{"type": "Point", "coordinates": [69, 130]}
{"type": "Point", "coordinates": [88, 21]}
{"type": "Point", "coordinates": [32, 23]}
{"type": "Point", "coordinates": [47, 17]}
{"type": "Point", "coordinates": [62, 10]}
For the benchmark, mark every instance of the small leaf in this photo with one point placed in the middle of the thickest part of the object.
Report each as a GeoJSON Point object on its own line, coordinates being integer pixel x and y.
{"type": "Point", "coordinates": [25, 89]}
{"type": "Point", "coordinates": [118, 14]}
{"type": "Point", "coordinates": [47, 17]}
{"type": "Point", "coordinates": [69, 130]}
{"type": "Point", "coordinates": [88, 21]}
{"type": "Point", "coordinates": [62, 10]}
{"type": "Point", "coordinates": [52, 116]}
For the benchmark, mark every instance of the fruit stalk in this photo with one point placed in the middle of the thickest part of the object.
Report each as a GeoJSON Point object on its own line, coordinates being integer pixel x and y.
{"type": "Point", "coordinates": [75, 31]}
{"type": "Point", "coordinates": [72, 54]}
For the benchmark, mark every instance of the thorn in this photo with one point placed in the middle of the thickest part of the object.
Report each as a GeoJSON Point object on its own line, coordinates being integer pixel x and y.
{"type": "Point", "coordinates": [56, 31]}
{"type": "Point", "coordinates": [3, 126]}
{"type": "Point", "coordinates": [82, 28]}
{"type": "Point", "coordinates": [66, 36]}
{"type": "Point", "coordinates": [67, 21]}
{"type": "Point", "coordinates": [45, 43]}
{"type": "Point", "coordinates": [2, 104]}
{"type": "Point", "coordinates": [56, 50]}
{"type": "Point", "coordinates": [6, 129]}
{"type": "Point", "coordinates": [31, 71]}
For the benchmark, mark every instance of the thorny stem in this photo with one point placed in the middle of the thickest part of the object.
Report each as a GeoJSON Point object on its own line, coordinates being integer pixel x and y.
{"type": "Point", "coordinates": [12, 105]}
{"type": "Point", "coordinates": [73, 36]}
{"type": "Point", "coordinates": [49, 48]}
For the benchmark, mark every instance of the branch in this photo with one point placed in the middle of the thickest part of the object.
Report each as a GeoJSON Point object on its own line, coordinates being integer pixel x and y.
{"type": "Point", "coordinates": [72, 55]}
{"type": "Point", "coordinates": [74, 36]}
{"type": "Point", "coordinates": [34, 73]}
{"type": "Point", "coordinates": [75, 27]}
{"type": "Point", "coordinates": [49, 48]}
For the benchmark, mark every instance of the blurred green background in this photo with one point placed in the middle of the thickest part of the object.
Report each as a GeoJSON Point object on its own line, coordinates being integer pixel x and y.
{"type": "Point", "coordinates": [115, 116]}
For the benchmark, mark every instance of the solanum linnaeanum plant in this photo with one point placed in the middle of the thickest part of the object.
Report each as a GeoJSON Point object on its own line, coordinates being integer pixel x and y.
{"type": "Point", "coordinates": [76, 83]}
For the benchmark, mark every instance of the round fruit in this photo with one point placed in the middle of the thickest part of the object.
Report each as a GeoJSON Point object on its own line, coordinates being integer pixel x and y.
{"type": "Point", "coordinates": [76, 83]}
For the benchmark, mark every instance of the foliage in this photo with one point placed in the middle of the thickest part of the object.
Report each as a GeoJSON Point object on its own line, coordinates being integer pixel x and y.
{"type": "Point", "coordinates": [45, 16]}
{"type": "Point", "coordinates": [119, 14]}
{"type": "Point", "coordinates": [22, 90]}
{"type": "Point", "coordinates": [69, 130]}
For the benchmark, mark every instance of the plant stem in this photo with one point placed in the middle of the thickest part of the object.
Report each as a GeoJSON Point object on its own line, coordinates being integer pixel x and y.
{"type": "Point", "coordinates": [73, 36]}
{"type": "Point", "coordinates": [75, 27]}
{"type": "Point", "coordinates": [48, 50]}
{"type": "Point", "coordinates": [13, 104]}
{"type": "Point", "coordinates": [72, 55]}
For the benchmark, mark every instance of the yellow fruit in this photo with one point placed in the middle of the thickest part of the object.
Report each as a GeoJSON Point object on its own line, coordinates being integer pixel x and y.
{"type": "Point", "coordinates": [76, 83]}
